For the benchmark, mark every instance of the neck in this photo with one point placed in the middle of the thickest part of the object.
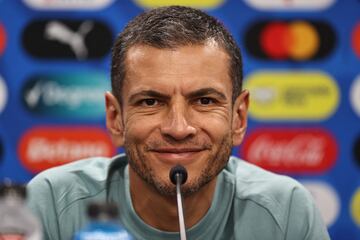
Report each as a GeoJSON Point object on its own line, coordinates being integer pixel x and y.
{"type": "Point", "coordinates": [160, 211]}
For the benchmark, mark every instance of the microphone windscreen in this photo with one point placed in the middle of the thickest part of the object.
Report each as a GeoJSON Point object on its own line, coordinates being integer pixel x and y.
{"type": "Point", "coordinates": [178, 169]}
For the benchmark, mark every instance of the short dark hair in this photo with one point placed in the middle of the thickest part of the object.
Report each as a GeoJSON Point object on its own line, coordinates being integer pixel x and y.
{"type": "Point", "coordinates": [169, 28]}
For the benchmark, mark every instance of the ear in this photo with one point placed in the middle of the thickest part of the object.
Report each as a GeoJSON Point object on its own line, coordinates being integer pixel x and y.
{"type": "Point", "coordinates": [114, 122]}
{"type": "Point", "coordinates": [239, 121]}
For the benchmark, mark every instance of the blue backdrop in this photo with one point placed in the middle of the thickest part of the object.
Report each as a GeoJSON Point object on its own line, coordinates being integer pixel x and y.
{"type": "Point", "coordinates": [301, 65]}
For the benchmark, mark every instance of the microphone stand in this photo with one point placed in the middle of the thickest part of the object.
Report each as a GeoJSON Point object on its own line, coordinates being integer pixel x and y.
{"type": "Point", "coordinates": [180, 207]}
{"type": "Point", "coordinates": [178, 176]}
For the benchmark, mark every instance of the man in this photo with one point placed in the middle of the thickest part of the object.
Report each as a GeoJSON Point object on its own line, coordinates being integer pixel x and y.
{"type": "Point", "coordinates": [177, 99]}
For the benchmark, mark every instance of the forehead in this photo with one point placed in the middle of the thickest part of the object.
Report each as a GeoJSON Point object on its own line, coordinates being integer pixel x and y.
{"type": "Point", "coordinates": [183, 68]}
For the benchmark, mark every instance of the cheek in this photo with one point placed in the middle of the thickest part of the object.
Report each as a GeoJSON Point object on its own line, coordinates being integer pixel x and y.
{"type": "Point", "coordinates": [138, 128]}
{"type": "Point", "coordinates": [215, 125]}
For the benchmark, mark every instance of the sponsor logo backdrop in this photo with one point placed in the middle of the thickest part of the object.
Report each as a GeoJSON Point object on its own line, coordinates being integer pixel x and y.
{"type": "Point", "coordinates": [301, 64]}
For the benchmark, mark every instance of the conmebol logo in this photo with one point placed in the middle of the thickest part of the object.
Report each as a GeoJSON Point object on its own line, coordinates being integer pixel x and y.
{"type": "Point", "coordinates": [295, 151]}
{"type": "Point", "coordinates": [68, 4]}
{"type": "Point", "coordinates": [271, 5]}
{"type": "Point", "coordinates": [296, 95]}
{"type": "Point", "coordinates": [44, 147]}
{"type": "Point", "coordinates": [79, 95]}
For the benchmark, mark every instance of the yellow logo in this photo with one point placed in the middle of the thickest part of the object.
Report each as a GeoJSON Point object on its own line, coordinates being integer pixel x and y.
{"type": "Point", "coordinates": [296, 95]}
{"type": "Point", "coordinates": [189, 3]}
{"type": "Point", "coordinates": [355, 207]}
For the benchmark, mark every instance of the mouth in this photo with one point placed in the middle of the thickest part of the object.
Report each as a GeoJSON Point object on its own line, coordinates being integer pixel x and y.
{"type": "Point", "coordinates": [177, 155]}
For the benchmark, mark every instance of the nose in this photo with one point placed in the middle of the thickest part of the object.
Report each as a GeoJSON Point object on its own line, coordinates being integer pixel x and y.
{"type": "Point", "coordinates": [176, 124]}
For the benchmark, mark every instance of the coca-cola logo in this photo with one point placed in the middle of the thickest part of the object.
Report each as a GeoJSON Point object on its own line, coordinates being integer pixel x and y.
{"type": "Point", "coordinates": [44, 147]}
{"type": "Point", "coordinates": [291, 150]}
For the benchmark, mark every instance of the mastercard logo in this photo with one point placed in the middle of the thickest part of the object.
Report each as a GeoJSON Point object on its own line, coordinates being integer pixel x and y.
{"type": "Point", "coordinates": [299, 40]}
{"type": "Point", "coordinates": [290, 4]}
{"type": "Point", "coordinates": [41, 148]}
{"type": "Point", "coordinates": [297, 95]}
{"type": "Point", "coordinates": [326, 200]}
{"type": "Point", "coordinates": [189, 3]}
{"type": "Point", "coordinates": [355, 207]}
{"type": "Point", "coordinates": [292, 151]}
{"type": "Point", "coordinates": [355, 40]}
{"type": "Point", "coordinates": [2, 39]}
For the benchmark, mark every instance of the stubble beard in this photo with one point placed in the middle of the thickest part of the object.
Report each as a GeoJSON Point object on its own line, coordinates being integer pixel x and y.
{"type": "Point", "coordinates": [215, 164]}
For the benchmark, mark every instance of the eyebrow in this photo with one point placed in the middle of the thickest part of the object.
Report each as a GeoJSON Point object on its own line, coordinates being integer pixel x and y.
{"type": "Point", "coordinates": [195, 94]}
{"type": "Point", "coordinates": [148, 93]}
{"type": "Point", "coordinates": [206, 91]}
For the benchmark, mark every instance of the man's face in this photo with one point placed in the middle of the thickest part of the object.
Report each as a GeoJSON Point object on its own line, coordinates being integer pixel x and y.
{"type": "Point", "coordinates": [177, 109]}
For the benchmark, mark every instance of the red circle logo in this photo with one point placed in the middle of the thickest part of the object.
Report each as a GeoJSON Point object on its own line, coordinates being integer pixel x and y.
{"type": "Point", "coordinates": [2, 38]}
{"type": "Point", "coordinates": [356, 40]}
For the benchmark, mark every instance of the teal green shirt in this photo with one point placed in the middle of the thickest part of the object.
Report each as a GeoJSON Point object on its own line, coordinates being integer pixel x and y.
{"type": "Point", "coordinates": [249, 203]}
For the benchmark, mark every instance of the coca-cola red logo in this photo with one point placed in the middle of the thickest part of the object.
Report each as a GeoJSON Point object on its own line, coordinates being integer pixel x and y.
{"type": "Point", "coordinates": [293, 151]}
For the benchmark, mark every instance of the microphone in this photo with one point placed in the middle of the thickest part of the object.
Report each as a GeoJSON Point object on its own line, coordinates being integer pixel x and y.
{"type": "Point", "coordinates": [178, 176]}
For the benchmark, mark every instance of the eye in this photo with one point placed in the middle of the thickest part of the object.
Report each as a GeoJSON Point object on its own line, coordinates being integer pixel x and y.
{"type": "Point", "coordinates": [206, 101]}
{"type": "Point", "coordinates": [149, 102]}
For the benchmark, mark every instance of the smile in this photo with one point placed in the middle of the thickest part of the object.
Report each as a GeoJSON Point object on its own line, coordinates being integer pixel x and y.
{"type": "Point", "coordinates": [177, 155]}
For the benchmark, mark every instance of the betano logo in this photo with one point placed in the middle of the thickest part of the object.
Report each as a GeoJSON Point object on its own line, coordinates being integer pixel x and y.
{"type": "Point", "coordinates": [293, 95]}
{"type": "Point", "coordinates": [68, 4]}
{"type": "Point", "coordinates": [355, 95]}
{"type": "Point", "coordinates": [355, 40]}
{"type": "Point", "coordinates": [3, 94]}
{"type": "Point", "coordinates": [44, 147]}
{"type": "Point", "coordinates": [271, 5]}
{"type": "Point", "coordinates": [2, 39]}
{"type": "Point", "coordinates": [79, 95]}
{"type": "Point", "coordinates": [205, 4]}
{"type": "Point", "coordinates": [326, 200]}
{"type": "Point", "coordinates": [355, 207]}
{"type": "Point", "coordinates": [299, 40]}
{"type": "Point", "coordinates": [288, 150]}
